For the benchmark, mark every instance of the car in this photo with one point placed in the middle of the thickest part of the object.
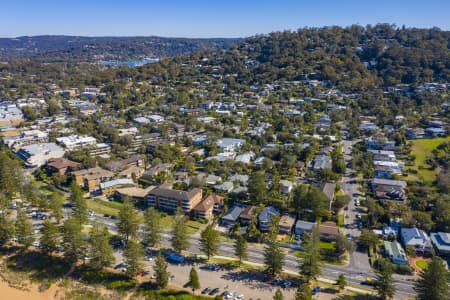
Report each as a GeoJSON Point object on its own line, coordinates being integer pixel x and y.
{"type": "Point", "coordinates": [316, 290]}
{"type": "Point", "coordinates": [119, 265]}
{"type": "Point", "coordinates": [206, 290]}
{"type": "Point", "coordinates": [277, 281]}
{"type": "Point", "coordinates": [349, 235]}
{"type": "Point", "coordinates": [214, 291]}
{"type": "Point", "coordinates": [240, 297]}
{"type": "Point", "coordinates": [358, 216]}
{"type": "Point", "coordinates": [230, 295]}
{"type": "Point", "coordinates": [287, 283]}
{"type": "Point", "coordinates": [153, 276]}
{"type": "Point", "coordinates": [148, 258]}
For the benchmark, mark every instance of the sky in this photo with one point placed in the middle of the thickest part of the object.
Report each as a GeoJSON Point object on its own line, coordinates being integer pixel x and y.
{"type": "Point", "coordinates": [213, 18]}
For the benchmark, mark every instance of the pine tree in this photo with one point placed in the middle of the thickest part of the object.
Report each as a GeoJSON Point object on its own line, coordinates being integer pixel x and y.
{"type": "Point", "coordinates": [160, 269]}
{"type": "Point", "coordinates": [273, 254]}
{"type": "Point", "coordinates": [152, 229]}
{"type": "Point", "coordinates": [74, 244]}
{"type": "Point", "coordinates": [24, 230]}
{"type": "Point", "coordinates": [240, 249]}
{"type": "Point", "coordinates": [180, 237]}
{"type": "Point", "coordinates": [384, 284]}
{"type": "Point", "coordinates": [50, 237]}
{"type": "Point", "coordinates": [341, 282]}
{"type": "Point", "coordinates": [209, 241]}
{"type": "Point", "coordinates": [101, 251]}
{"type": "Point", "coordinates": [278, 295]}
{"type": "Point", "coordinates": [80, 211]}
{"type": "Point", "coordinates": [134, 256]}
{"type": "Point", "coordinates": [194, 281]}
{"type": "Point", "coordinates": [128, 224]}
{"type": "Point", "coordinates": [303, 292]}
{"type": "Point", "coordinates": [310, 265]}
{"type": "Point", "coordinates": [432, 284]}
{"type": "Point", "coordinates": [257, 187]}
{"type": "Point", "coordinates": [56, 205]}
{"type": "Point", "coordinates": [7, 229]}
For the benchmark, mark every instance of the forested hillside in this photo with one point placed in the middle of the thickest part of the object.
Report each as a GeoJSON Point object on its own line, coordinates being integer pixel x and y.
{"type": "Point", "coordinates": [78, 48]}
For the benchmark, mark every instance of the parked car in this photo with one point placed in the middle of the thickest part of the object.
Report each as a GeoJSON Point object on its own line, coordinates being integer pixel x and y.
{"type": "Point", "coordinates": [206, 290]}
{"type": "Point", "coordinates": [214, 291]}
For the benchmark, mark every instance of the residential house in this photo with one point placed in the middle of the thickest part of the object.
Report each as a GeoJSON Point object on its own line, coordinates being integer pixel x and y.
{"type": "Point", "coordinates": [286, 224]}
{"type": "Point", "coordinates": [231, 217]}
{"type": "Point", "coordinates": [395, 252]}
{"type": "Point", "coordinates": [417, 238]}
{"type": "Point", "coordinates": [388, 189]}
{"type": "Point", "coordinates": [168, 199]}
{"type": "Point", "coordinates": [91, 178]}
{"type": "Point", "coordinates": [302, 227]}
{"type": "Point", "coordinates": [37, 155]}
{"type": "Point", "coordinates": [224, 187]}
{"type": "Point", "coordinates": [156, 170]}
{"type": "Point", "coordinates": [328, 231]}
{"type": "Point", "coordinates": [206, 208]}
{"type": "Point", "coordinates": [60, 166]}
{"type": "Point", "coordinates": [321, 162]}
{"type": "Point", "coordinates": [435, 132]}
{"type": "Point", "coordinates": [286, 186]}
{"type": "Point", "coordinates": [122, 164]}
{"type": "Point", "coordinates": [247, 215]}
{"type": "Point", "coordinates": [230, 145]}
{"type": "Point", "coordinates": [328, 189]}
{"type": "Point", "coordinates": [441, 240]}
{"type": "Point", "coordinates": [132, 172]}
{"type": "Point", "coordinates": [415, 133]}
{"type": "Point", "coordinates": [265, 217]}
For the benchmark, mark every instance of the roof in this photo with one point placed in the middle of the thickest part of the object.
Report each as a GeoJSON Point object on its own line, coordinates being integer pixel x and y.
{"type": "Point", "coordinates": [381, 181]}
{"type": "Point", "coordinates": [176, 194]}
{"type": "Point", "coordinates": [328, 189]}
{"type": "Point", "coordinates": [267, 214]}
{"type": "Point", "coordinates": [413, 236]}
{"type": "Point", "coordinates": [328, 228]}
{"type": "Point", "coordinates": [248, 212]}
{"type": "Point", "coordinates": [135, 191]}
{"type": "Point", "coordinates": [233, 214]}
{"type": "Point", "coordinates": [208, 202]}
{"type": "Point", "coordinates": [441, 240]}
{"type": "Point", "coordinates": [116, 182]}
{"type": "Point", "coordinates": [92, 173]}
{"type": "Point", "coordinates": [36, 149]}
{"type": "Point", "coordinates": [60, 163]}
{"type": "Point", "coordinates": [394, 250]}
{"type": "Point", "coordinates": [287, 220]}
{"type": "Point", "coordinates": [305, 225]}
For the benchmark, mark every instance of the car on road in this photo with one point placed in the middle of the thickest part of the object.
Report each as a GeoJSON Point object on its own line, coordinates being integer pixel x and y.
{"type": "Point", "coordinates": [214, 291]}
{"type": "Point", "coordinates": [316, 290]}
{"type": "Point", "coordinates": [206, 290]}
{"type": "Point", "coordinates": [286, 284]}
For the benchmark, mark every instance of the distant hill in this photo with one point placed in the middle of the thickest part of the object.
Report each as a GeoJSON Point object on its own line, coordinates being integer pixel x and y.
{"type": "Point", "coordinates": [53, 48]}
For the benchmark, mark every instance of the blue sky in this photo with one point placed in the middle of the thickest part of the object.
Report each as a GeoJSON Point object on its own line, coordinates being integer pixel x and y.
{"type": "Point", "coordinates": [213, 18]}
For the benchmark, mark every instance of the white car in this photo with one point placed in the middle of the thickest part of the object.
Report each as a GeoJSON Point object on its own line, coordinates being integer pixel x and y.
{"type": "Point", "coordinates": [231, 295]}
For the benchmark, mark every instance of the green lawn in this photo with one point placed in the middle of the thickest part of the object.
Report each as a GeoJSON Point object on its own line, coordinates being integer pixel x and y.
{"type": "Point", "coordinates": [422, 149]}
{"type": "Point", "coordinates": [193, 226]}
{"type": "Point", "coordinates": [340, 220]}
{"type": "Point", "coordinates": [102, 207]}
{"type": "Point", "coordinates": [327, 246]}
{"type": "Point", "coordinates": [422, 264]}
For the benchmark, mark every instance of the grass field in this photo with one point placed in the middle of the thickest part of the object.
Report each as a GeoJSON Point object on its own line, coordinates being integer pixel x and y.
{"type": "Point", "coordinates": [422, 264]}
{"type": "Point", "coordinates": [102, 207]}
{"type": "Point", "coordinates": [422, 149]}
